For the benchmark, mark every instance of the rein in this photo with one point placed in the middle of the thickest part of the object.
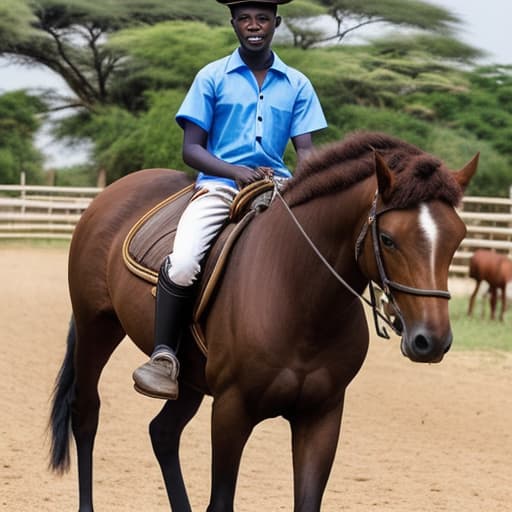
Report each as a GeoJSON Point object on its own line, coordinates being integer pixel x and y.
{"type": "Point", "coordinates": [387, 284]}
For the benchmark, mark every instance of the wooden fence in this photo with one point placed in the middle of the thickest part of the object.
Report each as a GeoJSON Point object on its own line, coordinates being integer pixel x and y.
{"type": "Point", "coordinates": [489, 226]}
{"type": "Point", "coordinates": [30, 211]}
{"type": "Point", "coordinates": [51, 212]}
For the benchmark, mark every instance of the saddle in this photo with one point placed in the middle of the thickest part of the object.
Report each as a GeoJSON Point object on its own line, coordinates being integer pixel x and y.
{"type": "Point", "coordinates": [151, 239]}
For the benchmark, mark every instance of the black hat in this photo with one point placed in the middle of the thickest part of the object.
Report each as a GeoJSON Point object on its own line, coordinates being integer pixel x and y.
{"type": "Point", "coordinates": [237, 2]}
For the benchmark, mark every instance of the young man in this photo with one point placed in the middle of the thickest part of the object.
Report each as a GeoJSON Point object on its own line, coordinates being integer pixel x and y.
{"type": "Point", "coordinates": [237, 119]}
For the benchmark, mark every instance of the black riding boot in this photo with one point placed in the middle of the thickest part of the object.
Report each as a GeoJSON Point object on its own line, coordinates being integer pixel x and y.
{"type": "Point", "coordinates": [158, 378]}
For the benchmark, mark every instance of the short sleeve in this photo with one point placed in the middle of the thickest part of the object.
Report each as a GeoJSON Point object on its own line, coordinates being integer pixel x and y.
{"type": "Point", "coordinates": [308, 115]}
{"type": "Point", "coordinates": [198, 105]}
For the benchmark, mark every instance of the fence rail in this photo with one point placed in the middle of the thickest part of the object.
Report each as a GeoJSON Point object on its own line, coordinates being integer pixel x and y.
{"type": "Point", "coordinates": [33, 211]}
{"type": "Point", "coordinates": [51, 212]}
{"type": "Point", "coordinates": [489, 226]}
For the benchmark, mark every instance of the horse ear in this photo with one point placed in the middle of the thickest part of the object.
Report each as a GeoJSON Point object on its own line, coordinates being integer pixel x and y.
{"type": "Point", "coordinates": [385, 178]}
{"type": "Point", "coordinates": [464, 176]}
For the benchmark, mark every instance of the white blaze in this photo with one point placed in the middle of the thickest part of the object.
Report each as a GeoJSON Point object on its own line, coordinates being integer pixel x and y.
{"type": "Point", "coordinates": [429, 227]}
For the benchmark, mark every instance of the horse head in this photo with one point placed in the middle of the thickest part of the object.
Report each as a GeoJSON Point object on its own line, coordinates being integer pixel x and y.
{"type": "Point", "coordinates": [409, 241]}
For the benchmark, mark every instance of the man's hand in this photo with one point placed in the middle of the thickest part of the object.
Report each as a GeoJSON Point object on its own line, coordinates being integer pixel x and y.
{"type": "Point", "coordinates": [267, 171]}
{"type": "Point", "coordinates": [245, 175]}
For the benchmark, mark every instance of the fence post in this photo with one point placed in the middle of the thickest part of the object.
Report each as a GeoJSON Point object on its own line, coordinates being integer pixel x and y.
{"type": "Point", "coordinates": [23, 193]}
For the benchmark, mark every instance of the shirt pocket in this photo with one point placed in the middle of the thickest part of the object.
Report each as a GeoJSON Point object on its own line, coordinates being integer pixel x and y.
{"type": "Point", "coordinates": [276, 130]}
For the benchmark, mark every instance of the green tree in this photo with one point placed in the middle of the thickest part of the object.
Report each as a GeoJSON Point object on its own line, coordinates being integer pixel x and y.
{"type": "Point", "coordinates": [128, 64]}
{"type": "Point", "coordinates": [352, 15]}
{"type": "Point", "coordinates": [483, 108]}
{"type": "Point", "coordinates": [18, 124]}
{"type": "Point", "coordinates": [125, 142]}
{"type": "Point", "coordinates": [69, 37]}
{"type": "Point", "coordinates": [377, 75]}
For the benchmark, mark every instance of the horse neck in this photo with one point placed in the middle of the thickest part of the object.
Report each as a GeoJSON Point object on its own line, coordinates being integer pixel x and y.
{"type": "Point", "coordinates": [332, 223]}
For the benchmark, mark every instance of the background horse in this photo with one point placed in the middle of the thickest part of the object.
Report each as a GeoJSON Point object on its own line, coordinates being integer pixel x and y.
{"type": "Point", "coordinates": [496, 269]}
{"type": "Point", "coordinates": [284, 337]}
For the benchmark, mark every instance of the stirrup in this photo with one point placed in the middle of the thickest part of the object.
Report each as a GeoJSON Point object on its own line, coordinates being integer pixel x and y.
{"type": "Point", "coordinates": [158, 378]}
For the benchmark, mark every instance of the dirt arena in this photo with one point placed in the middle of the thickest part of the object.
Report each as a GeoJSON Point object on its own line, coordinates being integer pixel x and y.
{"type": "Point", "coordinates": [415, 438]}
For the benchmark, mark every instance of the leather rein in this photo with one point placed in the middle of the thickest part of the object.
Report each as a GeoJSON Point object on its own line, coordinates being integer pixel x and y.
{"type": "Point", "coordinates": [387, 284]}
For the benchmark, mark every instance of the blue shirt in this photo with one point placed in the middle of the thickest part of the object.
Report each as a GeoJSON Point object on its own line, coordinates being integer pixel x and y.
{"type": "Point", "coordinates": [246, 125]}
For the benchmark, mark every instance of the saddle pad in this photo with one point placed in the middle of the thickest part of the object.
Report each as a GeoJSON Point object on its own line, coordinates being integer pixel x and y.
{"type": "Point", "coordinates": [151, 239]}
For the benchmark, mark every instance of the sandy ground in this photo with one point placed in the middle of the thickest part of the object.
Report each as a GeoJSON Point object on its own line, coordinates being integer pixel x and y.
{"type": "Point", "coordinates": [415, 438]}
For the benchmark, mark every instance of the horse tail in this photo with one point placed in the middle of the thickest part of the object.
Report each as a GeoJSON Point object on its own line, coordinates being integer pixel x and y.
{"type": "Point", "coordinates": [60, 416]}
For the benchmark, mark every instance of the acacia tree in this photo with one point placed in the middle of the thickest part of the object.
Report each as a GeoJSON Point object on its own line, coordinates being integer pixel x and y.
{"type": "Point", "coordinates": [69, 37]}
{"type": "Point", "coordinates": [484, 108]}
{"type": "Point", "coordinates": [111, 53]}
{"type": "Point", "coordinates": [352, 15]}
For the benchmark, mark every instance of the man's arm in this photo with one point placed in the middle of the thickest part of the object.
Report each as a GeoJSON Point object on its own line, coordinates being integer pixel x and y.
{"type": "Point", "coordinates": [303, 144]}
{"type": "Point", "coordinates": [198, 157]}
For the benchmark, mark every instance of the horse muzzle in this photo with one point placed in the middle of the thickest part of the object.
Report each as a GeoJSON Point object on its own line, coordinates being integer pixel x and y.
{"type": "Point", "coordinates": [423, 346]}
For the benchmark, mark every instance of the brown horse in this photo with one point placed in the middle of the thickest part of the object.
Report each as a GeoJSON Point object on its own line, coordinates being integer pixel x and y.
{"type": "Point", "coordinates": [284, 337]}
{"type": "Point", "coordinates": [494, 268]}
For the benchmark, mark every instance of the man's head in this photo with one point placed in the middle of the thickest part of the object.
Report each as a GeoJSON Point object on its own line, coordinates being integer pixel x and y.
{"type": "Point", "coordinates": [254, 22]}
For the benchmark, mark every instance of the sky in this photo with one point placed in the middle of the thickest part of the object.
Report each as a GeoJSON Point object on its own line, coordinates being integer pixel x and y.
{"type": "Point", "coordinates": [486, 25]}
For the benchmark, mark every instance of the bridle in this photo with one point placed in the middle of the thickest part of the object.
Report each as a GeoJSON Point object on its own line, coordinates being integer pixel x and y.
{"type": "Point", "coordinates": [387, 284]}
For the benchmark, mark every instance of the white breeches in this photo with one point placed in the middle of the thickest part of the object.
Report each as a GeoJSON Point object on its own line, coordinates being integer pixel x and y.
{"type": "Point", "coordinates": [200, 223]}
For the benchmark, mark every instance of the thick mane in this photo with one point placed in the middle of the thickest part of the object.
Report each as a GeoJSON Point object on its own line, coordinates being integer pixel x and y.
{"type": "Point", "coordinates": [337, 166]}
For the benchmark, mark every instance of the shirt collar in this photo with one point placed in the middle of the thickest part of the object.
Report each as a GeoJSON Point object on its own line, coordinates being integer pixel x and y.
{"type": "Point", "coordinates": [235, 62]}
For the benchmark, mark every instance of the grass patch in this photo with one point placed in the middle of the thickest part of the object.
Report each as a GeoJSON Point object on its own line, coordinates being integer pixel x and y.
{"type": "Point", "coordinates": [477, 333]}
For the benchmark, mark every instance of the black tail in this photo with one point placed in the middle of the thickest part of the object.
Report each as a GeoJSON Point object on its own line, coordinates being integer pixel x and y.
{"type": "Point", "coordinates": [60, 417]}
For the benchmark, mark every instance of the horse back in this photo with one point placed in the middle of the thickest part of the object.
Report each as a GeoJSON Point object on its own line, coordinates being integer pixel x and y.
{"type": "Point", "coordinates": [490, 266]}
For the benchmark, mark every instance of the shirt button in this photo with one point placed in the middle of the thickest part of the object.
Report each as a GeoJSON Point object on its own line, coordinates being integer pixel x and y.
{"type": "Point", "coordinates": [261, 96]}
{"type": "Point", "coordinates": [260, 118]}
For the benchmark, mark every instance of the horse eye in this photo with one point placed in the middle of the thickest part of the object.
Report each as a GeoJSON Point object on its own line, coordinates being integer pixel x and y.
{"type": "Point", "coordinates": [387, 241]}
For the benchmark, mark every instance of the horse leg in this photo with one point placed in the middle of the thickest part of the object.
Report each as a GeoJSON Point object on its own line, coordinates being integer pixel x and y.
{"type": "Point", "coordinates": [503, 301]}
{"type": "Point", "coordinates": [96, 340]}
{"type": "Point", "coordinates": [314, 442]}
{"type": "Point", "coordinates": [492, 300]}
{"type": "Point", "coordinates": [165, 431]}
{"type": "Point", "coordinates": [231, 427]}
{"type": "Point", "coordinates": [472, 298]}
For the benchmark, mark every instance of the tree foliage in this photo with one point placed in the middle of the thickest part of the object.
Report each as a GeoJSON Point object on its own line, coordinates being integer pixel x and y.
{"type": "Point", "coordinates": [129, 63]}
{"type": "Point", "coordinates": [483, 108]}
{"type": "Point", "coordinates": [18, 124]}
{"type": "Point", "coordinates": [401, 89]}
{"type": "Point", "coordinates": [69, 36]}
{"type": "Point", "coordinates": [168, 55]}
{"type": "Point", "coordinates": [352, 15]}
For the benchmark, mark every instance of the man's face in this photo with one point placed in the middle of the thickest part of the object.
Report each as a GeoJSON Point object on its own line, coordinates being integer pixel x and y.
{"type": "Point", "coordinates": [255, 26]}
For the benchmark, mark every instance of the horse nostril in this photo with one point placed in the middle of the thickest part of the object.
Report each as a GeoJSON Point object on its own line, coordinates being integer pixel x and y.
{"type": "Point", "coordinates": [422, 344]}
{"type": "Point", "coordinates": [425, 347]}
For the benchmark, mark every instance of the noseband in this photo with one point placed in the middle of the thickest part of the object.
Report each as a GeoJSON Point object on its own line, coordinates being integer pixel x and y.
{"type": "Point", "coordinates": [387, 284]}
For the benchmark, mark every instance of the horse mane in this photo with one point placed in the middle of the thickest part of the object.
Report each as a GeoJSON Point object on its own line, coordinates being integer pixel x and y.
{"type": "Point", "coordinates": [334, 167]}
